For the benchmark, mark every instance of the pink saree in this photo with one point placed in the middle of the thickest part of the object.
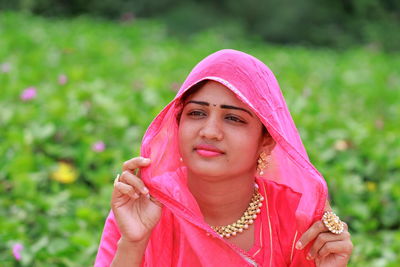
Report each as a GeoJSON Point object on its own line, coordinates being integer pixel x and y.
{"type": "Point", "coordinates": [295, 192]}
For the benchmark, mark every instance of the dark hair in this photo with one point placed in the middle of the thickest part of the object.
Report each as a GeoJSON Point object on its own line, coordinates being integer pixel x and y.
{"type": "Point", "coordinates": [193, 90]}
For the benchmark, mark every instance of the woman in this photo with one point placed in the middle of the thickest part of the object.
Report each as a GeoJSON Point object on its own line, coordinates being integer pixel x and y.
{"type": "Point", "coordinates": [230, 181]}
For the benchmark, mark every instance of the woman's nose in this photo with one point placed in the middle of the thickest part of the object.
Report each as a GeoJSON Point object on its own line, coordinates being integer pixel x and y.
{"type": "Point", "coordinates": [212, 130]}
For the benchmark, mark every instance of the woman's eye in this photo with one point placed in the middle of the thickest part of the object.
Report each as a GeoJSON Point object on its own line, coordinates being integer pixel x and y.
{"type": "Point", "coordinates": [196, 113]}
{"type": "Point", "coordinates": [235, 119]}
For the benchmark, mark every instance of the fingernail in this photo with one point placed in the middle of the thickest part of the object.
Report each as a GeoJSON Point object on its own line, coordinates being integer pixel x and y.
{"type": "Point", "coordinates": [145, 190]}
{"type": "Point", "coordinates": [309, 257]}
{"type": "Point", "coordinates": [298, 245]}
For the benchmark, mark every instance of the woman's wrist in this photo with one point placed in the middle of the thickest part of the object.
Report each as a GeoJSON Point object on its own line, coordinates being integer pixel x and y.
{"type": "Point", "coordinates": [129, 244]}
{"type": "Point", "coordinates": [131, 252]}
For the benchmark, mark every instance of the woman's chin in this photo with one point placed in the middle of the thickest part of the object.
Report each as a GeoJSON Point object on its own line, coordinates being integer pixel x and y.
{"type": "Point", "coordinates": [207, 170]}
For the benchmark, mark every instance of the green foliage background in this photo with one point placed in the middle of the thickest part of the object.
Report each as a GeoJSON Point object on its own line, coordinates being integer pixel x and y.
{"type": "Point", "coordinates": [340, 23]}
{"type": "Point", "coordinates": [120, 74]}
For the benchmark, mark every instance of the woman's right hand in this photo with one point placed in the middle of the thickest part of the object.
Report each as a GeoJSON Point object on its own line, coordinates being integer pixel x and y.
{"type": "Point", "coordinates": [134, 211]}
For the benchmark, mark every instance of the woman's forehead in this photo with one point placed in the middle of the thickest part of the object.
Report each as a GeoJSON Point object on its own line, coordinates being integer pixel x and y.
{"type": "Point", "coordinates": [216, 93]}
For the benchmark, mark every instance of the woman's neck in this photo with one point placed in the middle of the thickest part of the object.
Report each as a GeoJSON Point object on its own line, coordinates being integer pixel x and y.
{"type": "Point", "coordinates": [222, 201]}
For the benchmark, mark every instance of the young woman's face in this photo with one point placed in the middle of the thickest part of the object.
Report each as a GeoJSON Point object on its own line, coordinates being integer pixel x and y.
{"type": "Point", "coordinates": [218, 134]}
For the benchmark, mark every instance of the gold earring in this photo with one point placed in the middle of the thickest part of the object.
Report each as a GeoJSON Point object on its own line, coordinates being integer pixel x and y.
{"type": "Point", "coordinates": [262, 162]}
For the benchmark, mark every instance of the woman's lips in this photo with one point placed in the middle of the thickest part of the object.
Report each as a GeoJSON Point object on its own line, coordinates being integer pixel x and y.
{"type": "Point", "coordinates": [208, 151]}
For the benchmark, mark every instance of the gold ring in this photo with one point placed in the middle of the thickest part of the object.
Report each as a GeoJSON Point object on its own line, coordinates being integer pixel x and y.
{"type": "Point", "coordinates": [332, 222]}
{"type": "Point", "coordinates": [116, 180]}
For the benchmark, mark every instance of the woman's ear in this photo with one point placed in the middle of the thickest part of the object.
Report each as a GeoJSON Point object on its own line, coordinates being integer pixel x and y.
{"type": "Point", "coordinates": [267, 143]}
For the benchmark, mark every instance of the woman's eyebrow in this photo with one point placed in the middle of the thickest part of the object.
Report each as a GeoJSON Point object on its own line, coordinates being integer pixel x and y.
{"type": "Point", "coordinates": [198, 102]}
{"type": "Point", "coordinates": [233, 107]}
{"type": "Point", "coordinates": [203, 103]}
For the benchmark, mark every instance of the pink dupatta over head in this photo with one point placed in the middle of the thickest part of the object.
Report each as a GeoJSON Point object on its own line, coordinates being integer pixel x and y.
{"type": "Point", "coordinates": [295, 191]}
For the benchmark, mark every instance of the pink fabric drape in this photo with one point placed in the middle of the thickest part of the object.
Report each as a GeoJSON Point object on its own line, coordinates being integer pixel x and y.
{"type": "Point", "coordinates": [295, 191]}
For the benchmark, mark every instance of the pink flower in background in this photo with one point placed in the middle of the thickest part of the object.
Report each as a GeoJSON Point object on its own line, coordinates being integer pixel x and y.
{"type": "Point", "coordinates": [17, 248]}
{"type": "Point", "coordinates": [98, 146]}
{"type": "Point", "coordinates": [5, 67]}
{"type": "Point", "coordinates": [28, 94]}
{"type": "Point", "coordinates": [62, 79]}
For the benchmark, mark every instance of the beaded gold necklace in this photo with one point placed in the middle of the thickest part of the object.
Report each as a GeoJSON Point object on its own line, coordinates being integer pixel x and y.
{"type": "Point", "coordinates": [247, 218]}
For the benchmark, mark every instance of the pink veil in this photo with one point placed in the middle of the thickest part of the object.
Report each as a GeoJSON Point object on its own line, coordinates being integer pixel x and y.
{"type": "Point", "coordinates": [254, 84]}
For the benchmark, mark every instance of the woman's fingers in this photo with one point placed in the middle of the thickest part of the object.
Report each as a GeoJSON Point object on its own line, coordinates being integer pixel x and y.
{"type": "Point", "coordinates": [131, 179]}
{"type": "Point", "coordinates": [324, 241]}
{"type": "Point", "coordinates": [129, 184]}
{"type": "Point", "coordinates": [125, 189]}
{"type": "Point", "coordinates": [337, 247]}
{"type": "Point", "coordinates": [317, 228]}
{"type": "Point", "coordinates": [134, 163]}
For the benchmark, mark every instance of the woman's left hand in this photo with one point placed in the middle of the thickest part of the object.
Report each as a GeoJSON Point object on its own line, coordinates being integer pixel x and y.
{"type": "Point", "coordinates": [328, 250]}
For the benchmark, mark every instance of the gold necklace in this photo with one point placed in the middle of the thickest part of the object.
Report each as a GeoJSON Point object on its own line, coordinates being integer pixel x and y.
{"type": "Point", "coordinates": [247, 218]}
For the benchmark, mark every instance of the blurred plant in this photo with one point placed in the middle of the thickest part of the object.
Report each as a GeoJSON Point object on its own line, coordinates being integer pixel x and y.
{"type": "Point", "coordinates": [311, 22]}
{"type": "Point", "coordinates": [5, 67]}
